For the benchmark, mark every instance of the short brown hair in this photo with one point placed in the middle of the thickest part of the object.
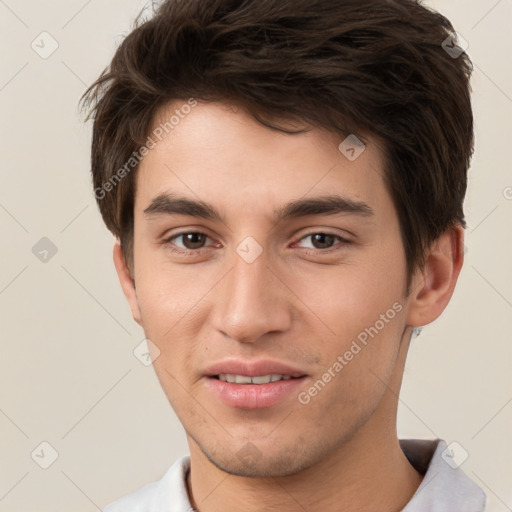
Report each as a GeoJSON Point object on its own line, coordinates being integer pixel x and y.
{"type": "Point", "coordinates": [353, 66]}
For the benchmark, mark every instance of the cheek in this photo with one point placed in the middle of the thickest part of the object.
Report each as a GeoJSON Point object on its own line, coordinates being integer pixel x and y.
{"type": "Point", "coordinates": [167, 293]}
{"type": "Point", "coordinates": [362, 312]}
{"type": "Point", "coordinates": [354, 298]}
{"type": "Point", "coordinates": [355, 365]}
{"type": "Point", "coordinates": [170, 302]}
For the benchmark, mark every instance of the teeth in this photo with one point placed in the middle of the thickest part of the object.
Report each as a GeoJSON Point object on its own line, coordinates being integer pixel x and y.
{"type": "Point", "coordinates": [264, 379]}
{"type": "Point", "coordinates": [244, 379]}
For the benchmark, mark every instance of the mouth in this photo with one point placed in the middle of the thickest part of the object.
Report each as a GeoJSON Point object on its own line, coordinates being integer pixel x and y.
{"type": "Point", "coordinates": [257, 379]}
{"type": "Point", "coordinates": [246, 385]}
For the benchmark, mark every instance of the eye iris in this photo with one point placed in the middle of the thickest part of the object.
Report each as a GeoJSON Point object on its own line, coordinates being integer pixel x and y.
{"type": "Point", "coordinates": [323, 238]}
{"type": "Point", "coordinates": [193, 240]}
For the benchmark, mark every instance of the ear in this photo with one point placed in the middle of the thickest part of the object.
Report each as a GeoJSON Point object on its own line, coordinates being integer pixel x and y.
{"type": "Point", "coordinates": [127, 283]}
{"type": "Point", "coordinates": [433, 285]}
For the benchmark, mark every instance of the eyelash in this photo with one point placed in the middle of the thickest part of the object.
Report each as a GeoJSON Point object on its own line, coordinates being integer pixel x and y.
{"type": "Point", "coordinates": [193, 252]}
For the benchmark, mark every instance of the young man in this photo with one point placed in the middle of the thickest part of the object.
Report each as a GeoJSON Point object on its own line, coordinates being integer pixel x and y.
{"type": "Point", "coordinates": [286, 180]}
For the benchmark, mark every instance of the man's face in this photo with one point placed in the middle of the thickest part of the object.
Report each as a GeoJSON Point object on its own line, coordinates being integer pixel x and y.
{"type": "Point", "coordinates": [258, 293]}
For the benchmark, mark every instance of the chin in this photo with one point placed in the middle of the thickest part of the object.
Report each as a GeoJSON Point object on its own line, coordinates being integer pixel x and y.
{"type": "Point", "coordinates": [264, 467]}
{"type": "Point", "coordinates": [249, 461]}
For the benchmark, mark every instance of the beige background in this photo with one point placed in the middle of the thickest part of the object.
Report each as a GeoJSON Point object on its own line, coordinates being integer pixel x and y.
{"type": "Point", "coordinates": [68, 373]}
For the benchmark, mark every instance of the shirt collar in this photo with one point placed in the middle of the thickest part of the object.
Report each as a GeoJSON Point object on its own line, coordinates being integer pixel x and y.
{"type": "Point", "coordinates": [443, 489]}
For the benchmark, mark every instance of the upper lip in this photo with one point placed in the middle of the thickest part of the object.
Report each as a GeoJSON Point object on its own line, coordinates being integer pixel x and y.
{"type": "Point", "coordinates": [252, 368]}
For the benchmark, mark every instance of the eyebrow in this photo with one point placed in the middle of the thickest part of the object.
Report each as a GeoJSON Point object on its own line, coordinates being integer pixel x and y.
{"type": "Point", "coordinates": [171, 204]}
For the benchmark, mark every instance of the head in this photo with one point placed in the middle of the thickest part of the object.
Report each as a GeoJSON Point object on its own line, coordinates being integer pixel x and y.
{"type": "Point", "coordinates": [286, 183]}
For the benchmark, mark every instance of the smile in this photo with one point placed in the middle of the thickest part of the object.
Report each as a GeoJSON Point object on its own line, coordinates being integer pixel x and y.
{"type": "Point", "coordinates": [245, 379]}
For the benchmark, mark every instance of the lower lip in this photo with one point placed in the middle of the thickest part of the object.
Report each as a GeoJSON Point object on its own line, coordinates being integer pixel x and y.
{"type": "Point", "coordinates": [253, 396]}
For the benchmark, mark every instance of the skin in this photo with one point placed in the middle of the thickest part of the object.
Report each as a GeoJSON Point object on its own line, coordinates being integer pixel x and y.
{"type": "Point", "coordinates": [339, 451]}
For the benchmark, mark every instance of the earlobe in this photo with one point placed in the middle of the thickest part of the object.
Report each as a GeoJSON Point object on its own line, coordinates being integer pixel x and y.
{"type": "Point", "coordinates": [127, 282]}
{"type": "Point", "coordinates": [433, 285]}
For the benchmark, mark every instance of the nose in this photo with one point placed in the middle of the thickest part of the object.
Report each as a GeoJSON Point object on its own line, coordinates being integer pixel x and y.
{"type": "Point", "coordinates": [251, 301]}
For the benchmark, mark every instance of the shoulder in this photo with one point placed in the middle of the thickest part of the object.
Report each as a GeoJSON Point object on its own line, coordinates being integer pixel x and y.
{"type": "Point", "coordinates": [140, 500]}
{"type": "Point", "coordinates": [160, 495]}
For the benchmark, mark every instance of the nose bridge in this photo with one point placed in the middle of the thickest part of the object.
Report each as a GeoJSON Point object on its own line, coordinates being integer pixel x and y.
{"type": "Point", "coordinates": [251, 302]}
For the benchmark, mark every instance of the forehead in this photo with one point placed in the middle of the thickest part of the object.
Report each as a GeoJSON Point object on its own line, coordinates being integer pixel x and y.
{"type": "Point", "coordinates": [219, 152]}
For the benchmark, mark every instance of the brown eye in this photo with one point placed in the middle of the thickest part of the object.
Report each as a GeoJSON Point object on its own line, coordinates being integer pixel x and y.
{"type": "Point", "coordinates": [190, 241]}
{"type": "Point", "coordinates": [322, 240]}
{"type": "Point", "coordinates": [193, 240]}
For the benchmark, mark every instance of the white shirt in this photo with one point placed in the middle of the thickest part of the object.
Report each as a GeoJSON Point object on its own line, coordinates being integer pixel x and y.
{"type": "Point", "coordinates": [445, 487]}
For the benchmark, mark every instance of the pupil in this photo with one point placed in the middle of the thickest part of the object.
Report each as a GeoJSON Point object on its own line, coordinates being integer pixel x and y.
{"type": "Point", "coordinates": [323, 239]}
{"type": "Point", "coordinates": [193, 240]}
